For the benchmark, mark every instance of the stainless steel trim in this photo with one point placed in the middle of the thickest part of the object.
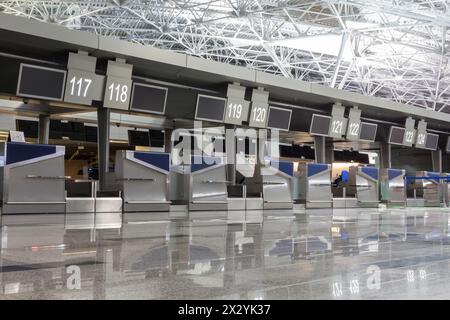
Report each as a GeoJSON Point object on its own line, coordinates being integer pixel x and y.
{"type": "Point", "coordinates": [31, 176]}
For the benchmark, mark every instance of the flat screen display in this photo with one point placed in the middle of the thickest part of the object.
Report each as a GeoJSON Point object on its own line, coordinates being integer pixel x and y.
{"type": "Point", "coordinates": [210, 108]}
{"type": "Point", "coordinates": [156, 138]}
{"type": "Point", "coordinates": [90, 133]}
{"type": "Point", "coordinates": [368, 131]}
{"type": "Point", "coordinates": [320, 125]}
{"type": "Point", "coordinates": [41, 82]}
{"type": "Point", "coordinates": [431, 141]}
{"type": "Point", "coordinates": [138, 138]}
{"type": "Point", "coordinates": [66, 129]}
{"type": "Point", "coordinates": [29, 128]}
{"type": "Point", "coordinates": [396, 135]}
{"type": "Point", "coordinates": [279, 118]}
{"type": "Point", "coordinates": [148, 98]}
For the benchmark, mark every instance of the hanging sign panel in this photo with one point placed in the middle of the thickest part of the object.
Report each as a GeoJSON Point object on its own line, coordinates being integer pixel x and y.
{"type": "Point", "coordinates": [210, 108]}
{"type": "Point", "coordinates": [368, 131]}
{"type": "Point", "coordinates": [118, 85]}
{"type": "Point", "coordinates": [258, 114]}
{"type": "Point", "coordinates": [148, 98]}
{"type": "Point", "coordinates": [320, 125]}
{"type": "Point", "coordinates": [81, 77]}
{"type": "Point", "coordinates": [41, 82]}
{"type": "Point", "coordinates": [431, 141]}
{"type": "Point", "coordinates": [396, 135]}
{"type": "Point", "coordinates": [279, 118]}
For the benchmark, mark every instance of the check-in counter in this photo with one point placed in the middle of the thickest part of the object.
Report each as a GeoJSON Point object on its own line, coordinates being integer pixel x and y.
{"type": "Point", "coordinates": [32, 178]}
{"type": "Point", "coordinates": [366, 184]}
{"type": "Point", "coordinates": [277, 184]}
{"type": "Point", "coordinates": [143, 178]}
{"type": "Point", "coordinates": [446, 188]}
{"type": "Point", "coordinates": [392, 182]}
{"type": "Point", "coordinates": [208, 183]}
{"type": "Point", "coordinates": [426, 189]}
{"type": "Point", "coordinates": [315, 185]}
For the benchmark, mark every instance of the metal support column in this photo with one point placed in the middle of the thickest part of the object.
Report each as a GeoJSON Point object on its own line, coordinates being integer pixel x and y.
{"type": "Point", "coordinates": [103, 128]}
{"type": "Point", "coordinates": [323, 149]}
{"type": "Point", "coordinates": [436, 158]}
{"type": "Point", "coordinates": [168, 140]}
{"type": "Point", "coordinates": [319, 149]}
{"type": "Point", "coordinates": [329, 151]}
{"type": "Point", "coordinates": [385, 155]}
{"type": "Point", "coordinates": [230, 145]}
{"type": "Point", "coordinates": [44, 129]}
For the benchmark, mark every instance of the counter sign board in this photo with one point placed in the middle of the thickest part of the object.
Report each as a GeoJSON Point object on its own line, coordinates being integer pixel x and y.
{"type": "Point", "coordinates": [354, 124]}
{"type": "Point", "coordinates": [259, 109]}
{"type": "Point", "coordinates": [80, 83]}
{"type": "Point", "coordinates": [237, 107]}
{"type": "Point", "coordinates": [338, 121]}
{"type": "Point", "coordinates": [421, 134]}
{"type": "Point", "coordinates": [410, 132]}
{"type": "Point", "coordinates": [118, 85]}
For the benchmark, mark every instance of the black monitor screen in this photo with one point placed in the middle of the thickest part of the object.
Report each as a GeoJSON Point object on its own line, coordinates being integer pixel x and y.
{"type": "Point", "coordinates": [396, 135]}
{"type": "Point", "coordinates": [156, 138]}
{"type": "Point", "coordinates": [91, 133]}
{"type": "Point", "coordinates": [29, 128]}
{"type": "Point", "coordinates": [138, 138]}
{"type": "Point", "coordinates": [320, 125]}
{"type": "Point", "coordinates": [41, 82]}
{"type": "Point", "coordinates": [279, 118]}
{"type": "Point", "coordinates": [431, 141]}
{"type": "Point", "coordinates": [67, 129]}
{"type": "Point", "coordinates": [148, 98]}
{"type": "Point", "coordinates": [368, 131]}
{"type": "Point", "coordinates": [210, 108]}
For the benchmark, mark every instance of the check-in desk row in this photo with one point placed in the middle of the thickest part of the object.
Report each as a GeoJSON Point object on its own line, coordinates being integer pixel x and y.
{"type": "Point", "coordinates": [33, 181]}
{"type": "Point", "coordinates": [429, 189]}
{"type": "Point", "coordinates": [315, 187]}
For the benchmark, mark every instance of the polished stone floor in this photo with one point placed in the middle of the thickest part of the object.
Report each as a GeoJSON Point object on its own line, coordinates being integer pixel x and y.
{"type": "Point", "coordinates": [317, 254]}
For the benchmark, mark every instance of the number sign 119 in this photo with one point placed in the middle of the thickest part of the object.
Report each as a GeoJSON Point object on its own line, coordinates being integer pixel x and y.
{"type": "Point", "coordinates": [234, 110]}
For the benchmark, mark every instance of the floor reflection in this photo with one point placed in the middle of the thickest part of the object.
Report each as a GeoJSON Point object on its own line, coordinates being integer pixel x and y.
{"type": "Point", "coordinates": [317, 254]}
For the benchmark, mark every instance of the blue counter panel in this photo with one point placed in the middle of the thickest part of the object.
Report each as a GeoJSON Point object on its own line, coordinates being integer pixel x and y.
{"type": "Point", "coordinates": [371, 172]}
{"type": "Point", "coordinates": [160, 160]}
{"type": "Point", "coordinates": [199, 163]}
{"type": "Point", "coordinates": [284, 166]}
{"type": "Point", "coordinates": [315, 168]}
{"type": "Point", "coordinates": [18, 152]}
{"type": "Point", "coordinates": [394, 173]}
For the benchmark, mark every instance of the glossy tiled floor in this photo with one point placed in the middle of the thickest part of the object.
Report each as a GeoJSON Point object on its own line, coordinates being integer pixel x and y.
{"type": "Point", "coordinates": [318, 254]}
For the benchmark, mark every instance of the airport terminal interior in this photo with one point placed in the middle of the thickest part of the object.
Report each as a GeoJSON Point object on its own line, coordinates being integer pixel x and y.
{"type": "Point", "coordinates": [224, 149]}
